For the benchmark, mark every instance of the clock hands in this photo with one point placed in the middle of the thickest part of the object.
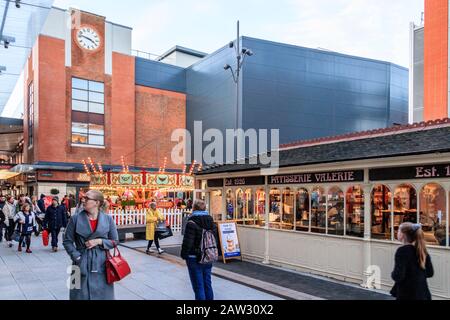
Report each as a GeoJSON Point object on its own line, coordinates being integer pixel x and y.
{"type": "Point", "coordinates": [93, 42]}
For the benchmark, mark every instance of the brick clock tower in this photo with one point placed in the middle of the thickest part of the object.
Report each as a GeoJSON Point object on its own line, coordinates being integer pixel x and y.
{"type": "Point", "coordinates": [81, 98]}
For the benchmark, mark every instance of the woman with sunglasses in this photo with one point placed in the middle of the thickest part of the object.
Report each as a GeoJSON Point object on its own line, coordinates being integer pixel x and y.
{"type": "Point", "coordinates": [90, 233]}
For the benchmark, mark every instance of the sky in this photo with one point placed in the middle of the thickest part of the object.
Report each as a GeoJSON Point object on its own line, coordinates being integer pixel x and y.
{"type": "Point", "coordinates": [377, 29]}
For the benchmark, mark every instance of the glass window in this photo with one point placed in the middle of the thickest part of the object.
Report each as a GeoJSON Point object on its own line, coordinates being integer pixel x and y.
{"type": "Point", "coordinates": [30, 114]}
{"type": "Point", "coordinates": [302, 219]}
{"type": "Point", "coordinates": [215, 206]}
{"type": "Point", "coordinates": [78, 138]}
{"type": "Point", "coordinates": [96, 129]}
{"type": "Point", "coordinates": [335, 213]}
{"type": "Point", "coordinates": [96, 97]}
{"type": "Point", "coordinates": [96, 108]}
{"type": "Point", "coordinates": [288, 217]}
{"type": "Point", "coordinates": [240, 206]}
{"type": "Point", "coordinates": [79, 127]}
{"type": "Point", "coordinates": [405, 206]}
{"type": "Point", "coordinates": [230, 205]}
{"type": "Point", "coordinates": [78, 105]}
{"type": "Point", "coordinates": [79, 94]}
{"type": "Point", "coordinates": [88, 106]}
{"type": "Point", "coordinates": [260, 208]}
{"type": "Point", "coordinates": [275, 209]}
{"type": "Point", "coordinates": [249, 213]}
{"type": "Point", "coordinates": [318, 210]}
{"type": "Point", "coordinates": [96, 86]}
{"type": "Point", "coordinates": [96, 140]}
{"type": "Point", "coordinates": [433, 206]}
{"type": "Point", "coordinates": [381, 212]}
{"type": "Point", "coordinates": [79, 84]}
{"type": "Point", "coordinates": [355, 212]}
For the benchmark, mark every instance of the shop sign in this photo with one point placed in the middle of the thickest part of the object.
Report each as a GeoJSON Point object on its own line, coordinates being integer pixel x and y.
{"type": "Point", "coordinates": [246, 181]}
{"type": "Point", "coordinates": [216, 183]}
{"type": "Point", "coordinates": [321, 177]}
{"type": "Point", "coordinates": [411, 173]}
{"type": "Point", "coordinates": [46, 175]}
{"type": "Point", "coordinates": [229, 241]}
{"type": "Point", "coordinates": [31, 177]}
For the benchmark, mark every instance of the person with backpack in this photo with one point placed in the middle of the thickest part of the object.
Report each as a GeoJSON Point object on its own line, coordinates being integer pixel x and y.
{"type": "Point", "coordinates": [200, 251]}
{"type": "Point", "coordinates": [413, 265]}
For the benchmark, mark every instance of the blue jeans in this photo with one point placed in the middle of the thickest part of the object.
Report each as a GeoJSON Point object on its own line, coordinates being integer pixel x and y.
{"type": "Point", "coordinates": [200, 276]}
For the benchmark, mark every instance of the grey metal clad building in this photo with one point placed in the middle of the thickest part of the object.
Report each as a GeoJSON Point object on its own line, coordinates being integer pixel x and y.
{"type": "Point", "coordinates": [306, 93]}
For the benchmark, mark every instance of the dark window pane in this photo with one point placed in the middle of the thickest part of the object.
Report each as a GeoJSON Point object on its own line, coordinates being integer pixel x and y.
{"type": "Point", "coordinates": [96, 119]}
{"type": "Point", "coordinates": [82, 117]}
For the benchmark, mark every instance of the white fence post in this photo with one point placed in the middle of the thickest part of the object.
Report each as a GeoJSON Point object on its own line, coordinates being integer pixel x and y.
{"type": "Point", "coordinates": [174, 217]}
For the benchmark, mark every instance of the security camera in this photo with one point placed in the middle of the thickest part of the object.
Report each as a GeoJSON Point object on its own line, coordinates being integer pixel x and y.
{"type": "Point", "coordinates": [231, 44]}
{"type": "Point", "coordinates": [247, 52]}
{"type": "Point", "coordinates": [6, 44]}
{"type": "Point", "coordinates": [18, 4]}
{"type": "Point", "coordinates": [227, 67]}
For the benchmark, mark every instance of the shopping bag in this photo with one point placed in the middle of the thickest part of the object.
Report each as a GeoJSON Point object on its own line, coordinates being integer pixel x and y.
{"type": "Point", "coordinates": [166, 234]}
{"type": "Point", "coordinates": [16, 236]}
{"type": "Point", "coordinates": [45, 238]}
{"type": "Point", "coordinates": [117, 267]}
{"type": "Point", "coordinates": [161, 227]}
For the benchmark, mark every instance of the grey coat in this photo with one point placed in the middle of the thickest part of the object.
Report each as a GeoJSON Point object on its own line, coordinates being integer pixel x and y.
{"type": "Point", "coordinates": [92, 262]}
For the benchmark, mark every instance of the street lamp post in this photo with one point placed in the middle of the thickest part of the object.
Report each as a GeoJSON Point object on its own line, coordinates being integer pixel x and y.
{"type": "Point", "coordinates": [240, 59]}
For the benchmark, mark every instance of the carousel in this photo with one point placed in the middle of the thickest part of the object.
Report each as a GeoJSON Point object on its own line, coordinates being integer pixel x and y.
{"type": "Point", "coordinates": [136, 190]}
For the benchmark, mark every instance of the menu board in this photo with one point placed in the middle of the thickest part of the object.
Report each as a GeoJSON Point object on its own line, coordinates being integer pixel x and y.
{"type": "Point", "coordinates": [229, 241]}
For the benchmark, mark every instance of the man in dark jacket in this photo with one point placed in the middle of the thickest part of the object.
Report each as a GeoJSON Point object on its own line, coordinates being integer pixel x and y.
{"type": "Point", "coordinates": [200, 274]}
{"type": "Point", "coordinates": [2, 217]}
{"type": "Point", "coordinates": [55, 219]}
{"type": "Point", "coordinates": [41, 203]}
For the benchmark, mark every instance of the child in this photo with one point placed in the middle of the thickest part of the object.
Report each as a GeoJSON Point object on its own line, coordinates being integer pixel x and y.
{"type": "Point", "coordinates": [412, 265]}
{"type": "Point", "coordinates": [26, 225]}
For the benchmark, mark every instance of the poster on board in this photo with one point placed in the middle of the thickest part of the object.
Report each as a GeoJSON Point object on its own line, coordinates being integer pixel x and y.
{"type": "Point", "coordinates": [229, 241]}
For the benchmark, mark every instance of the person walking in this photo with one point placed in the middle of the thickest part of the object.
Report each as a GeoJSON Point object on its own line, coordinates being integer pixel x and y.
{"type": "Point", "coordinates": [200, 274]}
{"type": "Point", "coordinates": [27, 224]}
{"type": "Point", "coordinates": [153, 216]}
{"type": "Point", "coordinates": [38, 214]}
{"type": "Point", "coordinates": [10, 211]}
{"type": "Point", "coordinates": [41, 203]}
{"type": "Point", "coordinates": [413, 265]}
{"type": "Point", "coordinates": [55, 219]}
{"type": "Point", "coordinates": [89, 234]}
{"type": "Point", "coordinates": [2, 224]}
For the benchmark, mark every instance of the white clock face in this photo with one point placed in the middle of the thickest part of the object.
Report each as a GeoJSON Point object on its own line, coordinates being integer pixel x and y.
{"type": "Point", "coordinates": [88, 38]}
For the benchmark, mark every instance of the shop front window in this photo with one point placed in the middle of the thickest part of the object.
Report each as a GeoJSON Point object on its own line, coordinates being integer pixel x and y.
{"type": "Point", "coordinates": [433, 218]}
{"type": "Point", "coordinates": [275, 209]}
{"type": "Point", "coordinates": [216, 205]}
{"type": "Point", "coordinates": [405, 206]}
{"type": "Point", "coordinates": [260, 218]}
{"type": "Point", "coordinates": [381, 212]}
{"type": "Point", "coordinates": [288, 209]}
{"type": "Point", "coordinates": [249, 208]}
{"type": "Point", "coordinates": [318, 210]}
{"type": "Point", "coordinates": [355, 212]}
{"type": "Point", "coordinates": [302, 218]}
{"type": "Point", "coordinates": [230, 205]}
{"type": "Point", "coordinates": [240, 206]}
{"type": "Point", "coordinates": [335, 214]}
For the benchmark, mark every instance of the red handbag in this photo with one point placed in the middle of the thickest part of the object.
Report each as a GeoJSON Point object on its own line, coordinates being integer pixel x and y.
{"type": "Point", "coordinates": [45, 238]}
{"type": "Point", "coordinates": [117, 267]}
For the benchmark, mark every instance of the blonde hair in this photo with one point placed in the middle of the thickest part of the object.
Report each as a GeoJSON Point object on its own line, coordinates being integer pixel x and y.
{"type": "Point", "coordinates": [98, 196]}
{"type": "Point", "coordinates": [414, 234]}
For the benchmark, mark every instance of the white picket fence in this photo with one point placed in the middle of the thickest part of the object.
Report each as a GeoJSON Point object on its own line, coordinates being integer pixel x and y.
{"type": "Point", "coordinates": [174, 218]}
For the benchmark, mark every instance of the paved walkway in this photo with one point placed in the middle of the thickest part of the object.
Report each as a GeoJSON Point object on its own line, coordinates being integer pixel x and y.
{"type": "Point", "coordinates": [42, 276]}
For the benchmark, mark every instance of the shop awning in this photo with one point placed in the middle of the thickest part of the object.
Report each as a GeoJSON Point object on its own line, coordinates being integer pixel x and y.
{"type": "Point", "coordinates": [26, 168]}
